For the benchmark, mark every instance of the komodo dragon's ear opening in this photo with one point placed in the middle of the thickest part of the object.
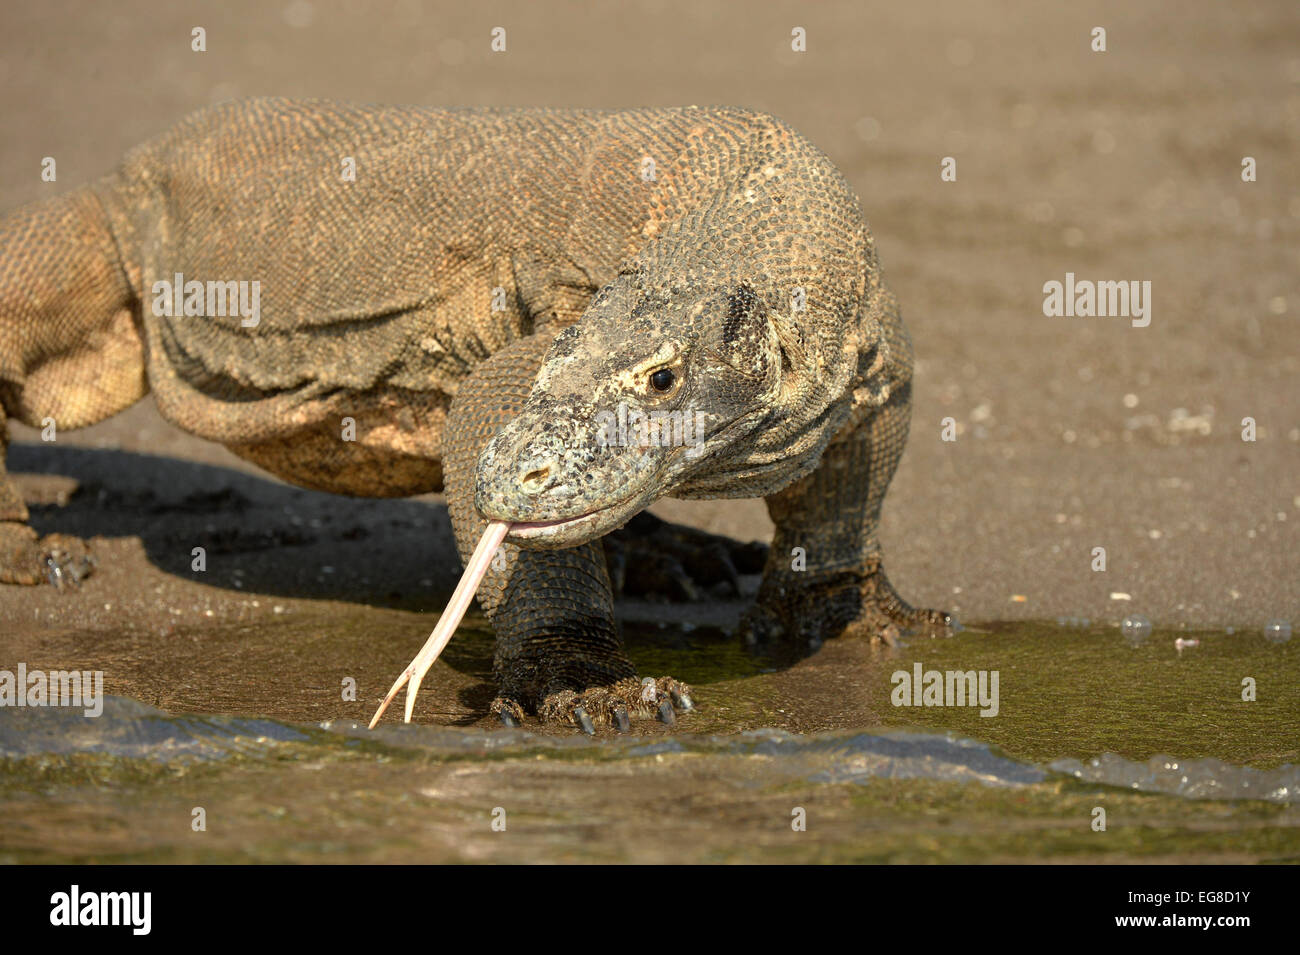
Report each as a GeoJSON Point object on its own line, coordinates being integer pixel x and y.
{"type": "Point", "coordinates": [743, 311]}
{"type": "Point", "coordinates": [744, 325]}
{"type": "Point", "coordinates": [759, 341]}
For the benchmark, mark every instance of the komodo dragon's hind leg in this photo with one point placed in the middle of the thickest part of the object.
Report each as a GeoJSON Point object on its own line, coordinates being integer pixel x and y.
{"type": "Point", "coordinates": [650, 557]}
{"type": "Point", "coordinates": [833, 515]}
{"type": "Point", "coordinates": [70, 354]}
{"type": "Point", "coordinates": [559, 652]}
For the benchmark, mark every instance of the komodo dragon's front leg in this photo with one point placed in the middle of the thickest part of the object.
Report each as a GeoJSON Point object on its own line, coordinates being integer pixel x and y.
{"type": "Point", "coordinates": [831, 518]}
{"type": "Point", "coordinates": [559, 651]}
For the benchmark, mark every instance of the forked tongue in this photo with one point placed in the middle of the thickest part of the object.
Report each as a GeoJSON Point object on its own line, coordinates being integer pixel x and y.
{"type": "Point", "coordinates": [474, 570]}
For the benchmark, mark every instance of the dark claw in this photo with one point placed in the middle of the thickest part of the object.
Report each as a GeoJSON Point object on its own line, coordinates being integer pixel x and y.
{"type": "Point", "coordinates": [54, 569]}
{"type": "Point", "coordinates": [666, 713]}
{"type": "Point", "coordinates": [682, 701]}
{"type": "Point", "coordinates": [584, 721]}
{"type": "Point", "coordinates": [621, 719]}
{"type": "Point", "coordinates": [507, 719]}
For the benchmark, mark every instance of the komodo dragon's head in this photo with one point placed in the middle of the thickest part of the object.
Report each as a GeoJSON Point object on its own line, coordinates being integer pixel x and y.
{"type": "Point", "coordinates": [683, 388]}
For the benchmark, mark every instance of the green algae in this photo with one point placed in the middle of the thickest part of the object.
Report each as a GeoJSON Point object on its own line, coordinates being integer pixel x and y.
{"type": "Point", "coordinates": [1069, 692]}
{"type": "Point", "coordinates": [419, 794]}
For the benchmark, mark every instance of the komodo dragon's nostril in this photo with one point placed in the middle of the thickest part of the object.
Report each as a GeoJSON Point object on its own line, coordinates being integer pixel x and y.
{"type": "Point", "coordinates": [537, 480]}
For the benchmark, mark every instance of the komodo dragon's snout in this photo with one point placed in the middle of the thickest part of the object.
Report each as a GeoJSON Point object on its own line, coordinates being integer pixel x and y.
{"type": "Point", "coordinates": [653, 386]}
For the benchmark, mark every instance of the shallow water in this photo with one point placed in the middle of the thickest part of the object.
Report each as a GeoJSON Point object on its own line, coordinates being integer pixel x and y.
{"type": "Point", "coordinates": [1162, 740]}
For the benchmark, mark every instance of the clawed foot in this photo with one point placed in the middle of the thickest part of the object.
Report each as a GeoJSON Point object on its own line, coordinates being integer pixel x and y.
{"type": "Point", "coordinates": [652, 558]}
{"type": "Point", "coordinates": [615, 705]}
{"type": "Point", "coordinates": [804, 613]}
{"type": "Point", "coordinates": [58, 559]}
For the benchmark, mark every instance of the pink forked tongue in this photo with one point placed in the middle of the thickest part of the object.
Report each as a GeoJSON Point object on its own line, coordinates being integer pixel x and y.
{"type": "Point", "coordinates": [478, 564]}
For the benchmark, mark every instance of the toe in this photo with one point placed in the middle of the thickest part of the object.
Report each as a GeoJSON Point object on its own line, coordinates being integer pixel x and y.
{"type": "Point", "coordinates": [58, 559]}
{"type": "Point", "coordinates": [617, 704]}
{"type": "Point", "coordinates": [508, 711]}
{"type": "Point", "coordinates": [666, 714]}
{"type": "Point", "coordinates": [622, 722]}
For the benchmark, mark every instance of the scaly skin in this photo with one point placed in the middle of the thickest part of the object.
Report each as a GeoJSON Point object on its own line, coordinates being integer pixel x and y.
{"type": "Point", "coordinates": [480, 300]}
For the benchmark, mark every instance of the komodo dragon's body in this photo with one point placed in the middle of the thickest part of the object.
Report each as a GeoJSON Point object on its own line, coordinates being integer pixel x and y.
{"type": "Point", "coordinates": [507, 273]}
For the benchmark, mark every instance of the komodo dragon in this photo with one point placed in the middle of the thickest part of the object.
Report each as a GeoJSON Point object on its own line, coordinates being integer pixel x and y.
{"type": "Point", "coordinates": [474, 297]}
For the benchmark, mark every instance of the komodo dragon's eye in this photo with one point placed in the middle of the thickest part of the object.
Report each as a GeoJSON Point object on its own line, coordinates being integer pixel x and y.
{"type": "Point", "coordinates": [662, 380]}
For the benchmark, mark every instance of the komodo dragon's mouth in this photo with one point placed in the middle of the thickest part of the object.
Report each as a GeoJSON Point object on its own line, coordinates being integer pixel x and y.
{"type": "Point", "coordinates": [537, 530]}
{"type": "Point", "coordinates": [571, 531]}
